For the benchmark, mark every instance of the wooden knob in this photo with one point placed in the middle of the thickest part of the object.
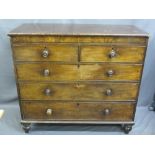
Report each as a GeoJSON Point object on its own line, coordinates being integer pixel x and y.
{"type": "Point", "coordinates": [45, 53]}
{"type": "Point", "coordinates": [106, 111]}
{"type": "Point", "coordinates": [46, 72]}
{"type": "Point", "coordinates": [47, 91]}
{"type": "Point", "coordinates": [108, 92]}
{"type": "Point", "coordinates": [110, 72]}
{"type": "Point", "coordinates": [112, 53]}
{"type": "Point", "coordinates": [49, 112]}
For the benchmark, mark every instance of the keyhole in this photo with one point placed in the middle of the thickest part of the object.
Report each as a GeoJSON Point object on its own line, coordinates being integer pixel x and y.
{"type": "Point", "coordinates": [78, 104]}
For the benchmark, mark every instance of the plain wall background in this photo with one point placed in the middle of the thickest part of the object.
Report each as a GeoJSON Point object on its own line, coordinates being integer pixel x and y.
{"type": "Point", "coordinates": [8, 92]}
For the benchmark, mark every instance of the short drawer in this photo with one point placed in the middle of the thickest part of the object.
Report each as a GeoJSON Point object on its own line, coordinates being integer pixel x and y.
{"type": "Point", "coordinates": [111, 71]}
{"type": "Point", "coordinates": [112, 54]}
{"type": "Point", "coordinates": [77, 111]}
{"type": "Point", "coordinates": [79, 91]}
{"type": "Point", "coordinates": [47, 72]}
{"type": "Point", "coordinates": [33, 52]}
{"type": "Point", "coordinates": [64, 72]}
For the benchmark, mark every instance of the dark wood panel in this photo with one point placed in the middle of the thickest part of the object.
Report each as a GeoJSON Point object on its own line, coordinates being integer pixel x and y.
{"type": "Point", "coordinates": [78, 111]}
{"type": "Point", "coordinates": [79, 39]}
{"type": "Point", "coordinates": [112, 54]}
{"type": "Point", "coordinates": [79, 91]}
{"type": "Point", "coordinates": [56, 72]}
{"type": "Point", "coordinates": [30, 52]}
{"type": "Point", "coordinates": [113, 39]}
{"type": "Point", "coordinates": [62, 72]}
{"type": "Point", "coordinates": [110, 72]}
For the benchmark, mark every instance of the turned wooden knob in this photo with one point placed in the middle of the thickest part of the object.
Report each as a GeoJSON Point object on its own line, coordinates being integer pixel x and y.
{"type": "Point", "coordinates": [110, 72]}
{"type": "Point", "coordinates": [106, 111]}
{"type": "Point", "coordinates": [108, 92]}
{"type": "Point", "coordinates": [45, 53]}
{"type": "Point", "coordinates": [112, 54]}
{"type": "Point", "coordinates": [49, 112]}
{"type": "Point", "coordinates": [48, 91]}
{"type": "Point", "coordinates": [46, 72]}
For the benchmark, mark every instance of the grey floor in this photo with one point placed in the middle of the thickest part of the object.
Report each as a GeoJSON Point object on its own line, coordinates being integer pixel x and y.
{"type": "Point", "coordinates": [10, 125]}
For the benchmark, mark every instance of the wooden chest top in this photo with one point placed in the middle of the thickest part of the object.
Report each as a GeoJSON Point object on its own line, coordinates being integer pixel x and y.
{"type": "Point", "coordinates": [78, 29]}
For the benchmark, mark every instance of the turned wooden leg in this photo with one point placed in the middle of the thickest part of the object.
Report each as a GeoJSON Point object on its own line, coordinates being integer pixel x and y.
{"type": "Point", "coordinates": [127, 128]}
{"type": "Point", "coordinates": [26, 127]}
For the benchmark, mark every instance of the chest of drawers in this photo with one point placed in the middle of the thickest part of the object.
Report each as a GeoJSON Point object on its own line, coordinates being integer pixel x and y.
{"type": "Point", "coordinates": [78, 73]}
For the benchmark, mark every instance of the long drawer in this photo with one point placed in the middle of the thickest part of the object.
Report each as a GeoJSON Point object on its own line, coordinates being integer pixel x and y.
{"type": "Point", "coordinates": [78, 111]}
{"type": "Point", "coordinates": [32, 52]}
{"type": "Point", "coordinates": [132, 54]}
{"type": "Point", "coordinates": [57, 72]}
{"type": "Point", "coordinates": [79, 91]}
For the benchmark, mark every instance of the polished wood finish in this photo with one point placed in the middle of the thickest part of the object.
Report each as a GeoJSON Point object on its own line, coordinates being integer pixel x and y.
{"type": "Point", "coordinates": [102, 54]}
{"type": "Point", "coordinates": [79, 91]}
{"type": "Point", "coordinates": [78, 111]}
{"type": "Point", "coordinates": [78, 73]}
{"type": "Point", "coordinates": [79, 39]}
{"type": "Point", "coordinates": [66, 53]}
{"type": "Point", "coordinates": [65, 72]}
{"type": "Point", "coordinates": [58, 72]}
{"type": "Point", "coordinates": [77, 29]}
{"type": "Point", "coordinates": [122, 72]}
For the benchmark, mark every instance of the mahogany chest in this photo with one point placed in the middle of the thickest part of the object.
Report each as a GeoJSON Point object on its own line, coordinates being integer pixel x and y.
{"type": "Point", "coordinates": [78, 73]}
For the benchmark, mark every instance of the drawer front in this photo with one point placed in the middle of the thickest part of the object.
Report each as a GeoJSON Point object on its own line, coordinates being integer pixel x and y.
{"type": "Point", "coordinates": [66, 53]}
{"type": "Point", "coordinates": [112, 54]}
{"type": "Point", "coordinates": [80, 39]}
{"type": "Point", "coordinates": [74, 91]}
{"type": "Point", "coordinates": [77, 111]}
{"type": "Point", "coordinates": [110, 72]}
{"type": "Point", "coordinates": [47, 72]}
{"type": "Point", "coordinates": [57, 72]}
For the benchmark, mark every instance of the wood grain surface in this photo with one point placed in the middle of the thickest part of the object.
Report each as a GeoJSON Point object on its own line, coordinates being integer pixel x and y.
{"type": "Point", "coordinates": [65, 72]}
{"type": "Point", "coordinates": [102, 54]}
{"type": "Point", "coordinates": [78, 65]}
{"type": "Point", "coordinates": [79, 91]}
{"type": "Point", "coordinates": [78, 29]}
{"type": "Point", "coordinates": [78, 111]}
{"type": "Point", "coordinates": [78, 39]}
{"type": "Point", "coordinates": [65, 53]}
